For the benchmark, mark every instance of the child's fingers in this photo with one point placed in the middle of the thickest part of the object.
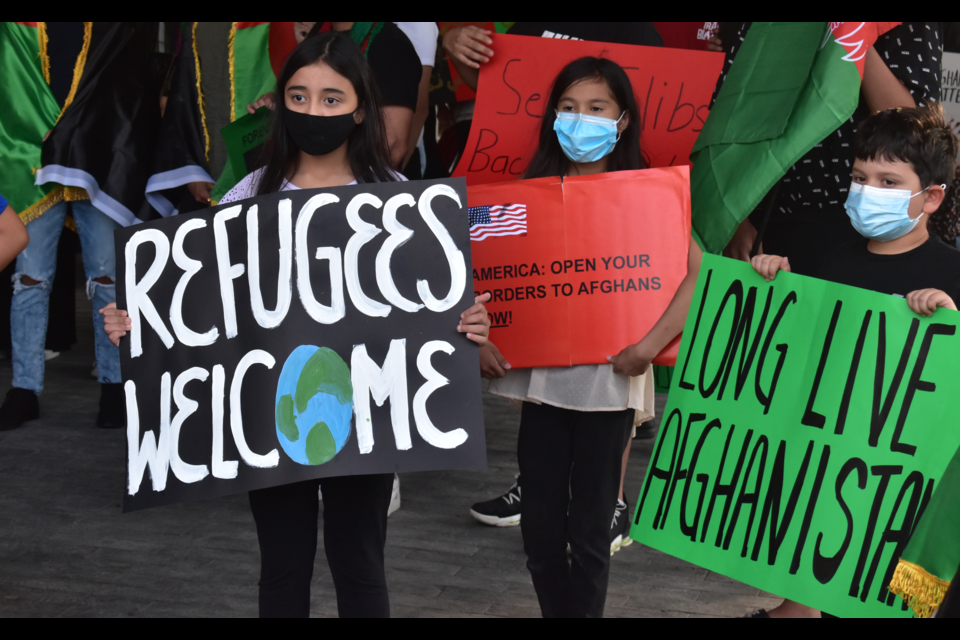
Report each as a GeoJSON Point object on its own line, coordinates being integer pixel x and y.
{"type": "Point", "coordinates": [483, 297]}
{"type": "Point", "coordinates": [477, 311]}
{"type": "Point", "coordinates": [480, 339]}
{"type": "Point", "coordinates": [476, 319]}
{"type": "Point", "coordinates": [769, 267]}
{"type": "Point", "coordinates": [918, 302]}
{"type": "Point", "coordinates": [478, 329]}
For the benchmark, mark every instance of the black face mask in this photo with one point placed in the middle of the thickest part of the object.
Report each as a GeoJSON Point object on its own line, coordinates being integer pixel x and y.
{"type": "Point", "coordinates": [318, 135]}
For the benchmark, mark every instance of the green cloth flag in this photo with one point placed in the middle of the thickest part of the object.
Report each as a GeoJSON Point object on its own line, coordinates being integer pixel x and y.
{"type": "Point", "coordinates": [28, 110]}
{"type": "Point", "coordinates": [807, 427]}
{"type": "Point", "coordinates": [250, 77]}
{"type": "Point", "coordinates": [791, 85]}
{"type": "Point", "coordinates": [932, 557]}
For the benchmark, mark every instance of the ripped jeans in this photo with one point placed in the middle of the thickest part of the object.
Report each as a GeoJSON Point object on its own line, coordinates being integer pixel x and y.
{"type": "Point", "coordinates": [31, 303]}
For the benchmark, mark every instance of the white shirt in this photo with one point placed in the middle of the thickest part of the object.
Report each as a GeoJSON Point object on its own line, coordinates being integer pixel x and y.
{"type": "Point", "coordinates": [580, 388]}
{"type": "Point", "coordinates": [424, 37]}
{"type": "Point", "coordinates": [247, 188]}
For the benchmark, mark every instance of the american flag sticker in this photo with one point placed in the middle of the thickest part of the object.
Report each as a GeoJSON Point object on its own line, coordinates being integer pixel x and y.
{"type": "Point", "coordinates": [498, 220]}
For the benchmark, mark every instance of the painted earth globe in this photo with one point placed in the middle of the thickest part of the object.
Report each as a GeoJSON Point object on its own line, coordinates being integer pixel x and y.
{"type": "Point", "coordinates": [314, 405]}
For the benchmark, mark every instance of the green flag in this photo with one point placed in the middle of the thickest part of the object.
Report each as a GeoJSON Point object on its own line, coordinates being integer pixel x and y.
{"type": "Point", "coordinates": [931, 558]}
{"type": "Point", "coordinates": [250, 77]}
{"type": "Point", "coordinates": [792, 84]}
{"type": "Point", "coordinates": [28, 110]}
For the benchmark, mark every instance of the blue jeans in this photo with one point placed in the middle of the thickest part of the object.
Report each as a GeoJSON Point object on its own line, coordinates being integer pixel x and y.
{"type": "Point", "coordinates": [31, 303]}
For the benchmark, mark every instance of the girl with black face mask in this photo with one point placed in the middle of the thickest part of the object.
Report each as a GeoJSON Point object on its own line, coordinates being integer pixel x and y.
{"type": "Point", "coordinates": [327, 131]}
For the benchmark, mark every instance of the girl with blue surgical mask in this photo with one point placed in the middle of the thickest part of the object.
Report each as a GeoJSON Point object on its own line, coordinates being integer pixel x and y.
{"type": "Point", "coordinates": [577, 421]}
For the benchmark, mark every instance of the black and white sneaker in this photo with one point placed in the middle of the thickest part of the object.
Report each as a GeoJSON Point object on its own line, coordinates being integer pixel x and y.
{"type": "Point", "coordinates": [620, 528]}
{"type": "Point", "coordinates": [500, 512]}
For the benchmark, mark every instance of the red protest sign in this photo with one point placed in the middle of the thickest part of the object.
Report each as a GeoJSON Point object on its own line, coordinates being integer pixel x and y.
{"type": "Point", "coordinates": [582, 268]}
{"type": "Point", "coordinates": [673, 89]}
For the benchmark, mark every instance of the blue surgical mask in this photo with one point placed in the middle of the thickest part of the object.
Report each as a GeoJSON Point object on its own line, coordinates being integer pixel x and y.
{"type": "Point", "coordinates": [881, 214]}
{"type": "Point", "coordinates": [586, 138]}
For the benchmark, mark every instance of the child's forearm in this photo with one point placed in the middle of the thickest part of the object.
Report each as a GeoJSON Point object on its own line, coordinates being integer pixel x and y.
{"type": "Point", "coordinates": [671, 322]}
{"type": "Point", "coordinates": [13, 236]}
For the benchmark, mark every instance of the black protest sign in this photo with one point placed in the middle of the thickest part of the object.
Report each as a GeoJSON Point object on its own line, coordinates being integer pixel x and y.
{"type": "Point", "coordinates": [298, 335]}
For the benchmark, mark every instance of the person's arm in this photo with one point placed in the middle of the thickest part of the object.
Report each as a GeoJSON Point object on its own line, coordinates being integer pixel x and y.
{"type": "Point", "coordinates": [741, 244]}
{"type": "Point", "coordinates": [467, 49]}
{"type": "Point", "coordinates": [420, 115]}
{"type": "Point", "coordinates": [881, 89]}
{"type": "Point", "coordinates": [396, 120]}
{"type": "Point", "coordinates": [635, 359]}
{"type": "Point", "coordinates": [13, 236]}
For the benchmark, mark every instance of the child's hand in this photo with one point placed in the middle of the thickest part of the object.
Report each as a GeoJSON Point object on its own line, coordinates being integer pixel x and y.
{"type": "Point", "coordinates": [115, 322]}
{"type": "Point", "coordinates": [632, 361]}
{"type": "Point", "coordinates": [925, 301]}
{"type": "Point", "coordinates": [468, 45]}
{"type": "Point", "coordinates": [767, 266]}
{"type": "Point", "coordinates": [492, 363]}
{"type": "Point", "coordinates": [267, 100]}
{"type": "Point", "coordinates": [475, 322]}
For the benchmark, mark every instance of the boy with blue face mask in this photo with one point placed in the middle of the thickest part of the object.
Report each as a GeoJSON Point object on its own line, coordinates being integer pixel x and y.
{"type": "Point", "coordinates": [904, 157]}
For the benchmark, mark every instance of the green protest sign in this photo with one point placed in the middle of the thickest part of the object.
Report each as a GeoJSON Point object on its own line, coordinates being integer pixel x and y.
{"type": "Point", "coordinates": [807, 426]}
{"type": "Point", "coordinates": [244, 138]}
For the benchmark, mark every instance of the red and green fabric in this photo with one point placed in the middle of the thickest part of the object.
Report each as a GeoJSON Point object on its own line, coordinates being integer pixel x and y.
{"type": "Point", "coordinates": [791, 85]}
{"type": "Point", "coordinates": [28, 110]}
{"type": "Point", "coordinates": [929, 562]}
{"type": "Point", "coordinates": [251, 76]}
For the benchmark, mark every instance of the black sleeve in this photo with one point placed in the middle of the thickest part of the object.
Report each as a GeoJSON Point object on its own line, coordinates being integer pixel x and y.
{"type": "Point", "coordinates": [641, 33]}
{"type": "Point", "coordinates": [396, 67]}
{"type": "Point", "coordinates": [913, 51]}
{"type": "Point", "coordinates": [731, 37]}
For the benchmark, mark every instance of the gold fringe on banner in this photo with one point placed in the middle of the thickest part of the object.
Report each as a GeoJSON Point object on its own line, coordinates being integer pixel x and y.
{"type": "Point", "coordinates": [58, 195]}
{"type": "Point", "coordinates": [231, 42]}
{"type": "Point", "coordinates": [203, 115]}
{"type": "Point", "coordinates": [73, 194]}
{"type": "Point", "coordinates": [78, 69]}
{"type": "Point", "coordinates": [922, 591]}
{"type": "Point", "coordinates": [41, 206]}
{"type": "Point", "coordinates": [44, 56]}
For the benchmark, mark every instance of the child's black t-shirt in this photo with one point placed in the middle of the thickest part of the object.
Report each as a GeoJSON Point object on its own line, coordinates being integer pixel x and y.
{"type": "Point", "coordinates": [932, 265]}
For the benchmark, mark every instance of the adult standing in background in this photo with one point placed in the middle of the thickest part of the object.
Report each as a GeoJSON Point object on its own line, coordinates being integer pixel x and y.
{"type": "Point", "coordinates": [96, 157]}
{"type": "Point", "coordinates": [424, 36]}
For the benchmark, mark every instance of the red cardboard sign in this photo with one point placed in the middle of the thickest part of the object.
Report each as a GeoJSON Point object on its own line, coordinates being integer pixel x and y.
{"type": "Point", "coordinates": [582, 268]}
{"type": "Point", "coordinates": [673, 89]}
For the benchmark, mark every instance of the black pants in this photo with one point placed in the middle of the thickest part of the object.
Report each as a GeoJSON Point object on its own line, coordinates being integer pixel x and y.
{"type": "Point", "coordinates": [354, 534]}
{"type": "Point", "coordinates": [570, 462]}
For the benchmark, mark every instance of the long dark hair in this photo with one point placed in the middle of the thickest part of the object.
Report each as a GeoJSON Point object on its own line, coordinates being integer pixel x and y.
{"type": "Point", "coordinates": [367, 145]}
{"type": "Point", "coordinates": [549, 160]}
